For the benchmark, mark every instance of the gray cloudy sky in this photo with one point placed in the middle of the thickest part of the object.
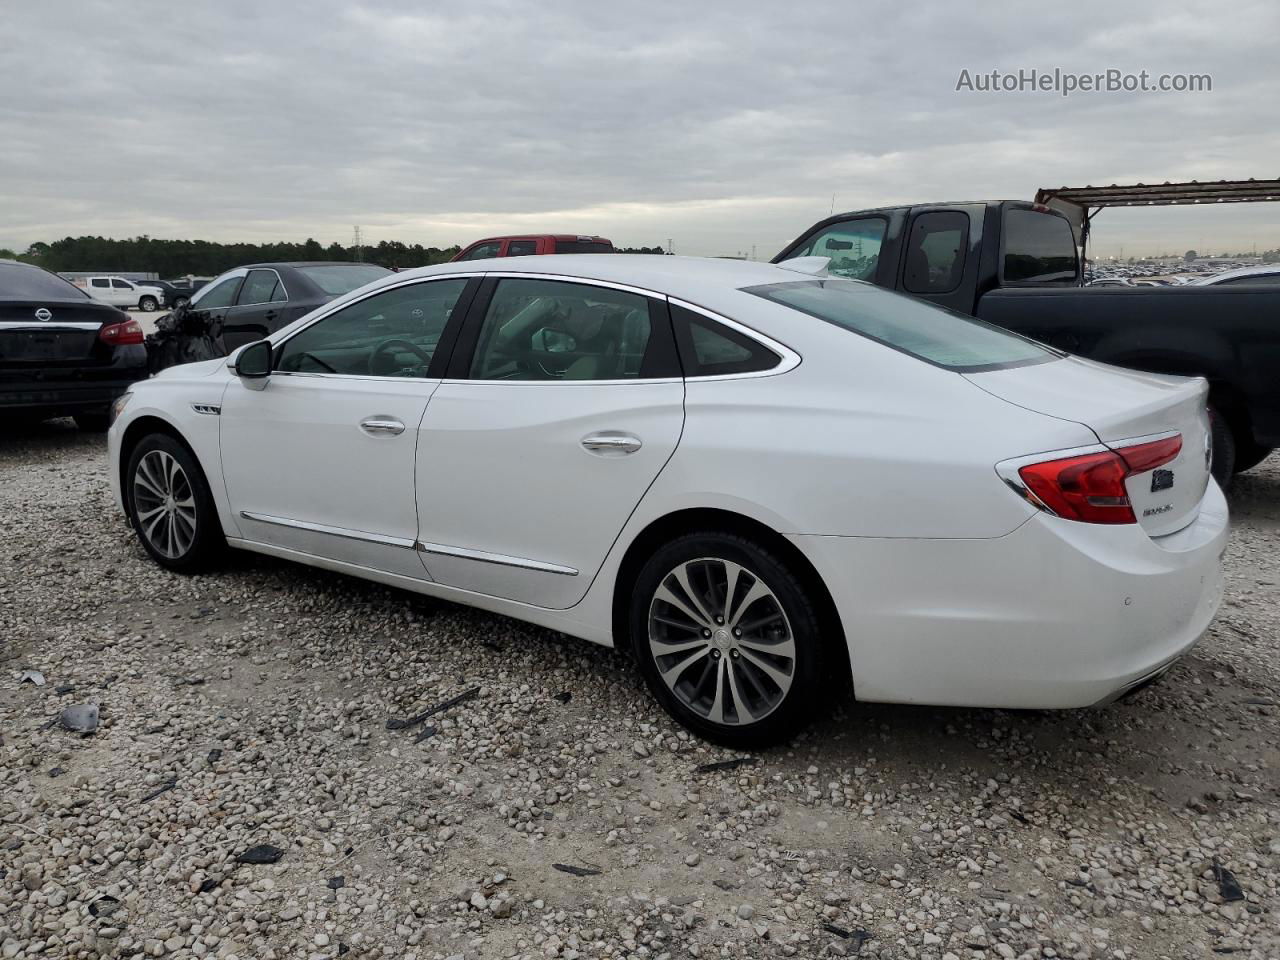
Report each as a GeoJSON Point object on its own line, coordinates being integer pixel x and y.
{"type": "Point", "coordinates": [721, 125]}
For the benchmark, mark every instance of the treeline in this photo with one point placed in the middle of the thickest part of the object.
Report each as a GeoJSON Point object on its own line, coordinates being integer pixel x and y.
{"type": "Point", "coordinates": [205, 258]}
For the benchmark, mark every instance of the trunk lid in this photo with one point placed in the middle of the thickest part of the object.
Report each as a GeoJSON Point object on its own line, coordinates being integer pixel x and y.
{"type": "Point", "coordinates": [69, 335]}
{"type": "Point", "coordinates": [1121, 406]}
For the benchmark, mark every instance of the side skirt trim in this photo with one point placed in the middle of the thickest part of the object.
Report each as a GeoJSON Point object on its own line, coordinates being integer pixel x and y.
{"type": "Point", "coordinates": [343, 532]}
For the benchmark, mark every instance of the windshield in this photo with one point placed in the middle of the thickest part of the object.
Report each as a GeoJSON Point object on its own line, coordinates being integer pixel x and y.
{"type": "Point", "coordinates": [930, 333]}
{"type": "Point", "coordinates": [336, 279]}
{"type": "Point", "coordinates": [20, 281]}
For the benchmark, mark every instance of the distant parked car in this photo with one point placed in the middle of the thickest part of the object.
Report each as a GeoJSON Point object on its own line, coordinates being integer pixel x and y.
{"type": "Point", "coordinates": [1244, 275]}
{"type": "Point", "coordinates": [1110, 282]}
{"type": "Point", "coordinates": [255, 301]}
{"type": "Point", "coordinates": [169, 294]}
{"type": "Point", "coordinates": [531, 245]}
{"type": "Point", "coordinates": [62, 353]}
{"type": "Point", "coordinates": [119, 292]}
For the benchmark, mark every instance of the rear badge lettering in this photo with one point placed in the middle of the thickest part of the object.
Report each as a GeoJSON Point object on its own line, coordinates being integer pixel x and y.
{"type": "Point", "coordinates": [1161, 480]}
{"type": "Point", "coordinates": [1156, 511]}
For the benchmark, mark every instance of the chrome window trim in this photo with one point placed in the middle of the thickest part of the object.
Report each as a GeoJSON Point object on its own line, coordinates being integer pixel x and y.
{"type": "Point", "coordinates": [279, 280]}
{"type": "Point", "coordinates": [484, 556]}
{"type": "Point", "coordinates": [788, 358]}
{"type": "Point", "coordinates": [344, 532]}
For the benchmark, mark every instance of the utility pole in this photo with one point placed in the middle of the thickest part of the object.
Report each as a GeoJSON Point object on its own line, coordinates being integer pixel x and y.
{"type": "Point", "coordinates": [670, 247]}
{"type": "Point", "coordinates": [753, 251]}
{"type": "Point", "coordinates": [355, 242]}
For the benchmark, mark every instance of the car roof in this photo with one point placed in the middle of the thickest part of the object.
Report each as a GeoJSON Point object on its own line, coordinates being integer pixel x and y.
{"type": "Point", "coordinates": [704, 281]}
{"type": "Point", "coordinates": [293, 264]}
{"type": "Point", "coordinates": [1241, 272]}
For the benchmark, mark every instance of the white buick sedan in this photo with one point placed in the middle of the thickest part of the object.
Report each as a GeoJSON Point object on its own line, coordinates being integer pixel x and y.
{"type": "Point", "coordinates": [758, 479]}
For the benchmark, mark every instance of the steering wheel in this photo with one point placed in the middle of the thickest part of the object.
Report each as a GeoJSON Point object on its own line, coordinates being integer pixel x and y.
{"type": "Point", "coordinates": [375, 358]}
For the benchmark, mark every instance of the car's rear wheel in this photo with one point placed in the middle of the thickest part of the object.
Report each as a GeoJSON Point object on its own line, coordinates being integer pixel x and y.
{"type": "Point", "coordinates": [1250, 455]}
{"type": "Point", "coordinates": [170, 505]}
{"type": "Point", "coordinates": [728, 639]}
{"type": "Point", "coordinates": [149, 304]}
{"type": "Point", "coordinates": [1223, 440]}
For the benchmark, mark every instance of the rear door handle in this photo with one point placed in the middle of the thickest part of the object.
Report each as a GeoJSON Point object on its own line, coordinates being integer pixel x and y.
{"type": "Point", "coordinates": [382, 427]}
{"type": "Point", "coordinates": [611, 443]}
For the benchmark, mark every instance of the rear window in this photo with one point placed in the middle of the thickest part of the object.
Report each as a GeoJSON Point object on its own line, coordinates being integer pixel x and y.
{"type": "Point", "coordinates": [931, 333]}
{"type": "Point", "coordinates": [24, 282]}
{"type": "Point", "coordinates": [1038, 247]}
{"type": "Point", "coordinates": [584, 246]}
{"type": "Point", "coordinates": [337, 279]}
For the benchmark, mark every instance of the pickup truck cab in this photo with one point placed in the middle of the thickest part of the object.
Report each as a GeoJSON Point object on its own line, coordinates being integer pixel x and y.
{"type": "Point", "coordinates": [531, 245]}
{"type": "Point", "coordinates": [1017, 265]}
{"type": "Point", "coordinates": [120, 292]}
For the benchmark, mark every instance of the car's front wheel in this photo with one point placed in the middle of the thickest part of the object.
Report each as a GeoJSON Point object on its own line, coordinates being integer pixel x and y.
{"type": "Point", "coordinates": [170, 505]}
{"type": "Point", "coordinates": [728, 639]}
{"type": "Point", "coordinates": [149, 304]}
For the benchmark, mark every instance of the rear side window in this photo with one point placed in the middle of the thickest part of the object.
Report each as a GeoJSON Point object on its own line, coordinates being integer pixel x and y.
{"type": "Point", "coordinates": [1038, 247]}
{"type": "Point", "coordinates": [923, 330]}
{"type": "Point", "coordinates": [100, 282]}
{"type": "Point", "coordinates": [853, 246]}
{"type": "Point", "coordinates": [936, 251]}
{"type": "Point", "coordinates": [710, 349]}
{"type": "Point", "coordinates": [584, 246]}
{"type": "Point", "coordinates": [522, 248]}
{"type": "Point", "coordinates": [482, 252]}
{"type": "Point", "coordinates": [24, 282]}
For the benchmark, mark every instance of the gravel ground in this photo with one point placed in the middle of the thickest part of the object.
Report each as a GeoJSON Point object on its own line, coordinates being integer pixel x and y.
{"type": "Point", "coordinates": [250, 708]}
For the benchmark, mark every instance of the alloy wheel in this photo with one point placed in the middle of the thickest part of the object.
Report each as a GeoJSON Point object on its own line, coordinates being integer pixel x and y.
{"type": "Point", "coordinates": [164, 504]}
{"type": "Point", "coordinates": [721, 641]}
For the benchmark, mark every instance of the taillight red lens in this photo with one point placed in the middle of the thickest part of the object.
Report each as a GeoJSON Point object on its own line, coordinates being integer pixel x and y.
{"type": "Point", "coordinates": [128, 332]}
{"type": "Point", "coordinates": [1147, 456]}
{"type": "Point", "coordinates": [1090, 487]}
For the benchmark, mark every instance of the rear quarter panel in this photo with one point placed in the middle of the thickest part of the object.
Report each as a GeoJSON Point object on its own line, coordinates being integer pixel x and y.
{"type": "Point", "coordinates": [1230, 336]}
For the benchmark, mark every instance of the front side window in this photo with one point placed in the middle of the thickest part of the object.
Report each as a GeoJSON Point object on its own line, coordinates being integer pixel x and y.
{"type": "Point", "coordinates": [1039, 247]}
{"type": "Point", "coordinates": [390, 334]}
{"type": "Point", "coordinates": [121, 284]}
{"type": "Point", "coordinates": [482, 252]}
{"type": "Point", "coordinates": [935, 251]}
{"type": "Point", "coordinates": [260, 286]}
{"type": "Point", "coordinates": [923, 330]}
{"type": "Point", "coordinates": [554, 330]}
{"type": "Point", "coordinates": [853, 246]}
{"type": "Point", "coordinates": [220, 295]}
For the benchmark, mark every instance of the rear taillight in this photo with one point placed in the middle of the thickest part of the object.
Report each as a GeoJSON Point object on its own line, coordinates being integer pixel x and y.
{"type": "Point", "coordinates": [1090, 487]}
{"type": "Point", "coordinates": [126, 332]}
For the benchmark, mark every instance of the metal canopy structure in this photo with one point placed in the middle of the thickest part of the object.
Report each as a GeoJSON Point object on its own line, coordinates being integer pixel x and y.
{"type": "Point", "coordinates": [1082, 204]}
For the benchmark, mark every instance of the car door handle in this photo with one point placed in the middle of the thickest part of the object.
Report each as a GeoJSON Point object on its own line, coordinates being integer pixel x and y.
{"type": "Point", "coordinates": [382, 427]}
{"type": "Point", "coordinates": [611, 443]}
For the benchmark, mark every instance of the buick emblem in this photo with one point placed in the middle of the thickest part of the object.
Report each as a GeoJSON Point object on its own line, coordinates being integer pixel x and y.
{"type": "Point", "coordinates": [44, 314]}
{"type": "Point", "coordinates": [1161, 480]}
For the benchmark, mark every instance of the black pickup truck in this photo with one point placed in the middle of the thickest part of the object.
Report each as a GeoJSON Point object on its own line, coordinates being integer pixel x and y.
{"type": "Point", "coordinates": [1017, 265]}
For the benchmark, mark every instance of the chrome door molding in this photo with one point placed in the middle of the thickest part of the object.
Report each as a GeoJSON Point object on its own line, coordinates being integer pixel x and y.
{"type": "Point", "coordinates": [344, 532]}
{"type": "Point", "coordinates": [483, 556]}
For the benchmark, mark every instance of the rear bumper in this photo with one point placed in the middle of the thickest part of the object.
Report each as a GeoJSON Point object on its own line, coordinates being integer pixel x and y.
{"type": "Point", "coordinates": [1056, 614]}
{"type": "Point", "coordinates": [52, 391]}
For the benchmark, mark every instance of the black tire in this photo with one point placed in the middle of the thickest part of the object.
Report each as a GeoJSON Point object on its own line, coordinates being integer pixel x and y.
{"type": "Point", "coordinates": [724, 657]}
{"type": "Point", "coordinates": [94, 422]}
{"type": "Point", "coordinates": [149, 304]}
{"type": "Point", "coordinates": [1224, 448]}
{"type": "Point", "coordinates": [188, 551]}
{"type": "Point", "coordinates": [1249, 455]}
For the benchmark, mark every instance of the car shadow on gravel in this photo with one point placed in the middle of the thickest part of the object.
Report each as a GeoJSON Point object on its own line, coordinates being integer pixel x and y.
{"type": "Point", "coordinates": [22, 439]}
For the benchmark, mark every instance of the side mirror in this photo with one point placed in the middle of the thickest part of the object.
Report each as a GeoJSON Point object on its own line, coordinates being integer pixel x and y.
{"type": "Point", "coordinates": [254, 361]}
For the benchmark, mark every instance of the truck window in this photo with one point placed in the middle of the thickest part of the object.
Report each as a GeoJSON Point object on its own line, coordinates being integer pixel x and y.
{"type": "Point", "coordinates": [936, 251]}
{"type": "Point", "coordinates": [482, 252]}
{"type": "Point", "coordinates": [853, 246]}
{"type": "Point", "coordinates": [121, 284]}
{"type": "Point", "coordinates": [522, 248]}
{"type": "Point", "coordinates": [583, 246]}
{"type": "Point", "coordinates": [100, 282]}
{"type": "Point", "coordinates": [1038, 247]}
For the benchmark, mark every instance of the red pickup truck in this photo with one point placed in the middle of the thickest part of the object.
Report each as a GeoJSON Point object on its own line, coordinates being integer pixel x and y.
{"type": "Point", "coordinates": [534, 244]}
